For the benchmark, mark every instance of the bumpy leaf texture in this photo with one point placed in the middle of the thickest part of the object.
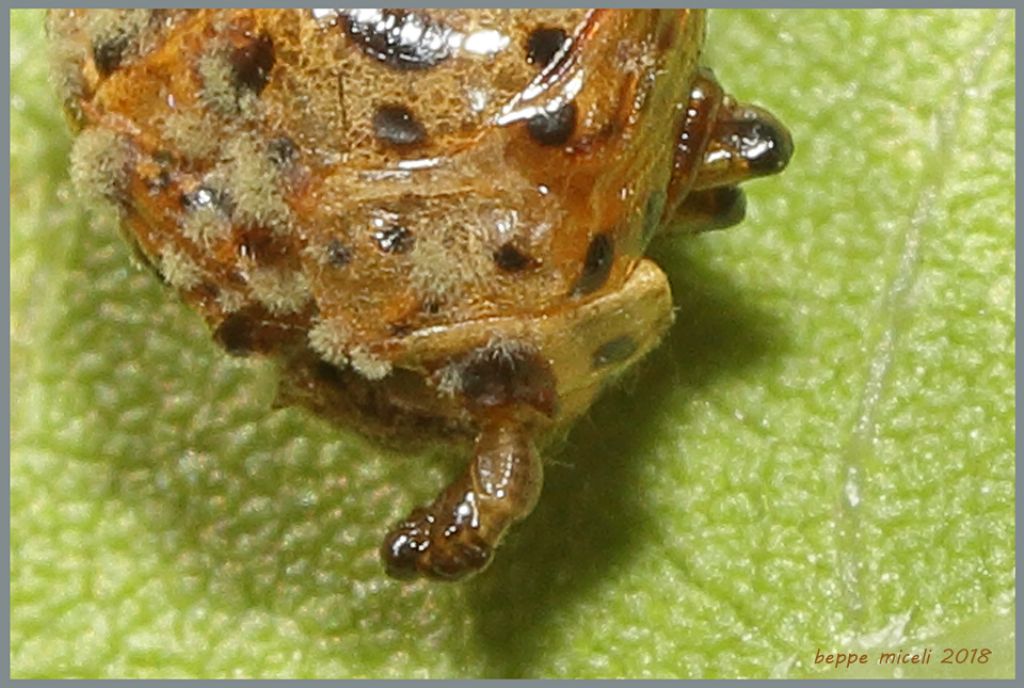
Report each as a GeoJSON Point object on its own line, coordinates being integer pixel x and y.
{"type": "Point", "coordinates": [820, 457]}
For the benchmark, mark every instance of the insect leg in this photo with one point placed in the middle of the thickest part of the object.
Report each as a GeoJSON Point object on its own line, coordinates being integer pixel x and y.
{"type": "Point", "coordinates": [721, 144]}
{"type": "Point", "coordinates": [456, 535]}
{"type": "Point", "coordinates": [746, 142]}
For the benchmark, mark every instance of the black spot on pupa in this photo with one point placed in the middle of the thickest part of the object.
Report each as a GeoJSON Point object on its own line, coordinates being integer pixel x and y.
{"type": "Point", "coordinates": [553, 128]}
{"type": "Point", "coordinates": [282, 151]}
{"type": "Point", "coordinates": [543, 44]}
{"type": "Point", "coordinates": [252, 62]}
{"type": "Point", "coordinates": [236, 333]}
{"type": "Point", "coordinates": [596, 266]}
{"type": "Point", "coordinates": [399, 38]}
{"type": "Point", "coordinates": [503, 376]}
{"type": "Point", "coordinates": [108, 54]}
{"type": "Point", "coordinates": [394, 239]}
{"type": "Point", "coordinates": [613, 351]}
{"type": "Point", "coordinates": [338, 255]}
{"type": "Point", "coordinates": [258, 243]}
{"type": "Point", "coordinates": [511, 259]}
{"type": "Point", "coordinates": [395, 124]}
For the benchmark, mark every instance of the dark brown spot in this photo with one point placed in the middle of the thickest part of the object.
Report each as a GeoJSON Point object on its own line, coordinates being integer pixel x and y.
{"type": "Point", "coordinates": [260, 245]}
{"type": "Point", "coordinates": [505, 375]}
{"type": "Point", "coordinates": [108, 54]}
{"type": "Point", "coordinates": [511, 259]}
{"type": "Point", "coordinates": [338, 255]}
{"type": "Point", "coordinates": [597, 265]}
{"type": "Point", "coordinates": [399, 38]}
{"type": "Point", "coordinates": [283, 151]}
{"type": "Point", "coordinates": [395, 239]}
{"type": "Point", "coordinates": [395, 124]}
{"type": "Point", "coordinates": [553, 128]}
{"type": "Point", "coordinates": [253, 330]}
{"type": "Point", "coordinates": [543, 44]}
{"type": "Point", "coordinates": [236, 334]}
{"type": "Point", "coordinates": [613, 351]}
{"type": "Point", "coordinates": [252, 63]}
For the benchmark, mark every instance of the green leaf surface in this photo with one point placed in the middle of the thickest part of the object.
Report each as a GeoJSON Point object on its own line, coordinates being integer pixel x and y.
{"type": "Point", "coordinates": [819, 457]}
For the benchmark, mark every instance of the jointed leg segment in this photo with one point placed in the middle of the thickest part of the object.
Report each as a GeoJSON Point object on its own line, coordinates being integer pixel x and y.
{"type": "Point", "coordinates": [721, 144]}
{"type": "Point", "coordinates": [456, 535]}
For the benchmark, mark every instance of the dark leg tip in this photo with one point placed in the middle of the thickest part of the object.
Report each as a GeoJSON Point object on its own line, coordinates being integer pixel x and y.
{"type": "Point", "coordinates": [419, 546]}
{"type": "Point", "coordinates": [708, 209]}
{"type": "Point", "coordinates": [404, 547]}
{"type": "Point", "coordinates": [727, 206]}
{"type": "Point", "coordinates": [765, 143]}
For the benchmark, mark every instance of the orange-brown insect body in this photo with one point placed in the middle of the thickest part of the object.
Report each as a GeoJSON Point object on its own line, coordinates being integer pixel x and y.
{"type": "Point", "coordinates": [433, 220]}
